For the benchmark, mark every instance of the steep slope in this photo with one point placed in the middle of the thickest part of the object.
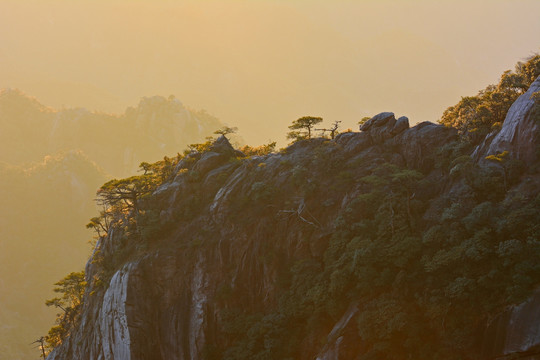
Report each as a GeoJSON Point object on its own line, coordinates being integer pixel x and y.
{"type": "Point", "coordinates": [43, 210]}
{"type": "Point", "coordinates": [519, 131]}
{"type": "Point", "coordinates": [51, 163]}
{"type": "Point", "coordinates": [388, 243]}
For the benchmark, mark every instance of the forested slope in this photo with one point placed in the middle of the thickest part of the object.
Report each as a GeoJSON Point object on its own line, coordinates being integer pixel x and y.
{"type": "Point", "coordinates": [388, 243]}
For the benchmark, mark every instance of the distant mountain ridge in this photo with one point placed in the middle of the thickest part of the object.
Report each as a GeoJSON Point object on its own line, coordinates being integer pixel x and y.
{"type": "Point", "coordinates": [389, 243]}
{"type": "Point", "coordinates": [43, 209]}
{"type": "Point", "coordinates": [116, 142]}
{"type": "Point", "coordinates": [52, 161]}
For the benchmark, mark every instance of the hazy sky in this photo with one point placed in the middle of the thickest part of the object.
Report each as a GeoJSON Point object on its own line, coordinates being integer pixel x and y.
{"type": "Point", "coordinates": [260, 64]}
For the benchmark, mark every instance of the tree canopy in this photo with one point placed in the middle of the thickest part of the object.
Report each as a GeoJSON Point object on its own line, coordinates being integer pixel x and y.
{"type": "Point", "coordinates": [476, 116]}
{"type": "Point", "coordinates": [226, 130]}
{"type": "Point", "coordinates": [302, 127]}
{"type": "Point", "coordinates": [71, 290]}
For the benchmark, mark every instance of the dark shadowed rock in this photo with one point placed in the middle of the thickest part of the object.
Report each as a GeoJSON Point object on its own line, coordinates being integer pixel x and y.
{"type": "Point", "coordinates": [239, 153]}
{"type": "Point", "coordinates": [418, 143]}
{"type": "Point", "coordinates": [517, 330]}
{"type": "Point", "coordinates": [379, 134]}
{"type": "Point", "coordinates": [209, 161]}
{"type": "Point", "coordinates": [377, 120]}
{"type": "Point", "coordinates": [401, 125]}
{"type": "Point", "coordinates": [344, 138]}
{"type": "Point", "coordinates": [214, 176]}
{"type": "Point", "coordinates": [187, 162]}
{"type": "Point", "coordinates": [223, 146]}
{"type": "Point", "coordinates": [234, 229]}
{"type": "Point", "coordinates": [381, 127]}
{"type": "Point", "coordinates": [354, 142]}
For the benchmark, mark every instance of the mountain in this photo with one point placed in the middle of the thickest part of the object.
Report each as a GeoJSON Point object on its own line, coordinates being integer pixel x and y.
{"type": "Point", "coordinates": [392, 242]}
{"type": "Point", "coordinates": [43, 211]}
{"type": "Point", "coordinates": [52, 161]}
{"type": "Point", "coordinates": [117, 142]}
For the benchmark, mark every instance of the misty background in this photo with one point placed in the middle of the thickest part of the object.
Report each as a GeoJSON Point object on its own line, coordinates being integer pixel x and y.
{"type": "Point", "coordinates": [259, 65]}
{"type": "Point", "coordinates": [88, 85]}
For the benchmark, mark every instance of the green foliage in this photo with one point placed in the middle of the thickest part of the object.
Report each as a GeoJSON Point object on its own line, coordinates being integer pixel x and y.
{"type": "Point", "coordinates": [202, 147]}
{"type": "Point", "coordinates": [424, 286]}
{"type": "Point", "coordinates": [226, 130]}
{"type": "Point", "coordinates": [125, 193]}
{"type": "Point", "coordinates": [128, 207]}
{"type": "Point", "coordinates": [258, 150]}
{"type": "Point", "coordinates": [302, 127]}
{"type": "Point", "coordinates": [363, 120]}
{"type": "Point", "coordinates": [476, 116]}
{"type": "Point", "coordinates": [511, 168]}
{"type": "Point", "coordinates": [71, 288]}
{"type": "Point", "coordinates": [162, 170]}
{"type": "Point", "coordinates": [100, 224]}
{"type": "Point", "coordinates": [121, 197]}
{"type": "Point", "coordinates": [499, 157]}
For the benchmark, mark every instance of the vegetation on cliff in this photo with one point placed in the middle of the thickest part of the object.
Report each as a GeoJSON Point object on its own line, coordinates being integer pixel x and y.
{"type": "Point", "coordinates": [43, 207]}
{"type": "Point", "coordinates": [400, 224]}
{"type": "Point", "coordinates": [476, 116]}
{"type": "Point", "coordinates": [51, 163]}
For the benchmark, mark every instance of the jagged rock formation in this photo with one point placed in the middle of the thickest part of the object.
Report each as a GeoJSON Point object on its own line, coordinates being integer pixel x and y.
{"type": "Point", "coordinates": [166, 303]}
{"type": "Point", "coordinates": [519, 132]}
{"type": "Point", "coordinates": [231, 230]}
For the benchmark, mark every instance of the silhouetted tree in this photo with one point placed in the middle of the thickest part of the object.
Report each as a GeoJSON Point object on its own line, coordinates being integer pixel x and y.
{"type": "Point", "coordinates": [301, 128]}
{"type": "Point", "coordinates": [226, 130]}
{"type": "Point", "coordinates": [71, 289]}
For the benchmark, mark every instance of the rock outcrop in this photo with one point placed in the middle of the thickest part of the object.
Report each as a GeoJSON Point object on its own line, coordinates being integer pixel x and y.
{"type": "Point", "coordinates": [412, 144]}
{"type": "Point", "coordinates": [520, 130]}
{"type": "Point", "coordinates": [516, 331]}
{"type": "Point", "coordinates": [168, 302]}
{"type": "Point", "coordinates": [229, 230]}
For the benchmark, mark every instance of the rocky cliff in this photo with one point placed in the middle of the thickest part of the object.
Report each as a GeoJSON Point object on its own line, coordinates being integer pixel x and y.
{"type": "Point", "coordinates": [51, 163]}
{"type": "Point", "coordinates": [43, 209]}
{"type": "Point", "coordinates": [519, 133]}
{"type": "Point", "coordinates": [388, 243]}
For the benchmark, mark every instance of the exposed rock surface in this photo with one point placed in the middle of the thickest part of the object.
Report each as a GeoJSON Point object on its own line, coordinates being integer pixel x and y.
{"type": "Point", "coordinates": [516, 331]}
{"type": "Point", "coordinates": [378, 121]}
{"type": "Point", "coordinates": [519, 132]}
{"type": "Point", "coordinates": [167, 302]}
{"type": "Point", "coordinates": [105, 325]}
{"type": "Point", "coordinates": [342, 341]}
{"type": "Point", "coordinates": [402, 124]}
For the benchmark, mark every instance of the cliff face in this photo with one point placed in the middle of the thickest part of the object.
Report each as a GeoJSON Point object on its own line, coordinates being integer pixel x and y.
{"type": "Point", "coordinates": [515, 331]}
{"type": "Point", "coordinates": [519, 132]}
{"type": "Point", "coordinates": [51, 163]}
{"type": "Point", "coordinates": [232, 231]}
{"type": "Point", "coordinates": [43, 209]}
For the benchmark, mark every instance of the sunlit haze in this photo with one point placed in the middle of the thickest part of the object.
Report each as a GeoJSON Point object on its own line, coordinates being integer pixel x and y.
{"type": "Point", "coordinates": [259, 65]}
{"type": "Point", "coordinates": [89, 89]}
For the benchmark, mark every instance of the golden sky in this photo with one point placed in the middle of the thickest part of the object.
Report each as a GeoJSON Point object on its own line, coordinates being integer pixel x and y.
{"type": "Point", "coordinates": [260, 64]}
